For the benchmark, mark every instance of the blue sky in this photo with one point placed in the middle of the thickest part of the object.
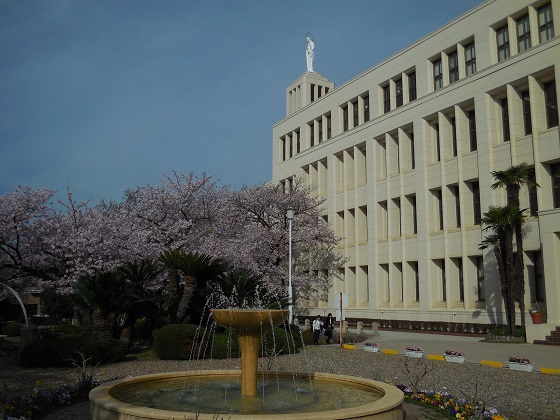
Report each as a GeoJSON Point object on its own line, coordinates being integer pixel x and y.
{"type": "Point", "coordinates": [106, 95]}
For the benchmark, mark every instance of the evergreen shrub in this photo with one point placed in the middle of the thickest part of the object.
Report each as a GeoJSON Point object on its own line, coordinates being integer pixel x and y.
{"type": "Point", "coordinates": [175, 341]}
{"type": "Point", "coordinates": [63, 350]}
{"type": "Point", "coordinates": [221, 349]}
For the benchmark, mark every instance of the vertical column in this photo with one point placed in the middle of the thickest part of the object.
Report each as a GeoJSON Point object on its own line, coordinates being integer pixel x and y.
{"type": "Point", "coordinates": [461, 61]}
{"type": "Point", "coordinates": [405, 87]}
{"type": "Point", "coordinates": [445, 68]}
{"type": "Point", "coordinates": [515, 108]}
{"type": "Point", "coordinates": [512, 35]}
{"type": "Point", "coordinates": [349, 169]}
{"type": "Point", "coordinates": [534, 25]}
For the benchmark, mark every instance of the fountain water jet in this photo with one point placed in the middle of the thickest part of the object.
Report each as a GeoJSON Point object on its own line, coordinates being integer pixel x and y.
{"type": "Point", "coordinates": [249, 326]}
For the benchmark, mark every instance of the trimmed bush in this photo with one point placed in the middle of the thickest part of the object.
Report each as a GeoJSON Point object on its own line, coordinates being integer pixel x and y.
{"type": "Point", "coordinates": [280, 343]}
{"type": "Point", "coordinates": [307, 337]}
{"type": "Point", "coordinates": [12, 328]}
{"type": "Point", "coordinates": [175, 341]}
{"type": "Point", "coordinates": [62, 350]}
{"type": "Point", "coordinates": [220, 346]}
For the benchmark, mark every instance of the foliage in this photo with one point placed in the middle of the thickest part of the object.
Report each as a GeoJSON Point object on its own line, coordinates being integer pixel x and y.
{"type": "Point", "coordinates": [224, 347]}
{"type": "Point", "coordinates": [307, 336]}
{"type": "Point", "coordinates": [370, 344]}
{"type": "Point", "coordinates": [12, 328]}
{"type": "Point", "coordinates": [279, 341]}
{"type": "Point", "coordinates": [55, 305]}
{"type": "Point", "coordinates": [65, 329]}
{"type": "Point", "coordinates": [451, 406]}
{"type": "Point", "coordinates": [62, 350]}
{"type": "Point", "coordinates": [176, 341]}
{"type": "Point", "coordinates": [454, 353]}
{"type": "Point", "coordinates": [519, 359]}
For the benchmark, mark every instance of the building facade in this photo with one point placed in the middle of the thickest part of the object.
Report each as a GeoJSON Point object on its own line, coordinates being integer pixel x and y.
{"type": "Point", "coordinates": [403, 155]}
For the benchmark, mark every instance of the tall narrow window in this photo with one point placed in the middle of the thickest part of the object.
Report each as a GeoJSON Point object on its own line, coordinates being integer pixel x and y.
{"type": "Point", "coordinates": [412, 86]}
{"type": "Point", "coordinates": [412, 201]}
{"type": "Point", "coordinates": [502, 38]}
{"type": "Point", "coordinates": [320, 124]}
{"type": "Point", "coordinates": [366, 109]}
{"type": "Point", "coordinates": [283, 149]}
{"type": "Point", "coordinates": [470, 59]}
{"type": "Point", "coordinates": [526, 112]}
{"type": "Point", "coordinates": [539, 276]}
{"type": "Point", "coordinates": [453, 67]}
{"type": "Point", "coordinates": [461, 281]}
{"type": "Point", "coordinates": [533, 202]}
{"type": "Point", "coordinates": [289, 139]}
{"type": "Point", "coordinates": [345, 117]}
{"type": "Point", "coordinates": [555, 173]}
{"type": "Point", "coordinates": [523, 34]}
{"type": "Point", "coordinates": [298, 142]}
{"type": "Point", "coordinates": [329, 132]}
{"type": "Point", "coordinates": [439, 204]}
{"type": "Point", "coordinates": [475, 187]}
{"type": "Point", "coordinates": [441, 265]}
{"type": "Point", "coordinates": [412, 158]}
{"type": "Point", "coordinates": [456, 197]}
{"type": "Point", "coordinates": [386, 99]}
{"type": "Point", "coordinates": [438, 146]}
{"type": "Point", "coordinates": [438, 75]}
{"type": "Point", "coordinates": [472, 130]}
{"type": "Point", "coordinates": [505, 118]}
{"type": "Point", "coordinates": [480, 278]}
{"type": "Point", "coordinates": [414, 265]}
{"type": "Point", "coordinates": [312, 92]}
{"type": "Point", "coordinates": [355, 113]}
{"type": "Point", "coordinates": [551, 103]}
{"type": "Point", "coordinates": [399, 93]}
{"type": "Point", "coordinates": [311, 126]}
{"type": "Point", "coordinates": [546, 28]}
{"type": "Point", "coordinates": [454, 136]}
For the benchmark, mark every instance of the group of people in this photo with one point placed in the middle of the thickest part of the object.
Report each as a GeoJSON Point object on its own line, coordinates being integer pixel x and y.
{"type": "Point", "coordinates": [319, 325]}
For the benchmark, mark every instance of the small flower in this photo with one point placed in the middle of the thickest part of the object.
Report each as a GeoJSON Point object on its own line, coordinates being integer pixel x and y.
{"type": "Point", "coordinates": [413, 348]}
{"type": "Point", "coordinates": [454, 353]}
{"type": "Point", "coordinates": [519, 359]}
{"type": "Point", "coordinates": [370, 344]}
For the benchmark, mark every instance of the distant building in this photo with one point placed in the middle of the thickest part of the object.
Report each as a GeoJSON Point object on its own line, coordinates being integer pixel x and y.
{"type": "Point", "coordinates": [403, 154]}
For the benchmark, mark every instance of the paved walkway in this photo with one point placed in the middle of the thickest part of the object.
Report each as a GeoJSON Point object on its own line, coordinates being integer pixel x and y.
{"type": "Point", "coordinates": [473, 347]}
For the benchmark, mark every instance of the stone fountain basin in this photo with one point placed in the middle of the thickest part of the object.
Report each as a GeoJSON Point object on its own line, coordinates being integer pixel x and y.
{"type": "Point", "coordinates": [389, 407]}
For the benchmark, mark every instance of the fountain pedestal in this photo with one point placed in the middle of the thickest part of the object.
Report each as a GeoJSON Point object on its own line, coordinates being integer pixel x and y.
{"type": "Point", "coordinates": [249, 326]}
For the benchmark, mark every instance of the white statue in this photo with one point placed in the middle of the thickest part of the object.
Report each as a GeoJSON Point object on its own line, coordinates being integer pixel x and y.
{"type": "Point", "coordinates": [310, 52]}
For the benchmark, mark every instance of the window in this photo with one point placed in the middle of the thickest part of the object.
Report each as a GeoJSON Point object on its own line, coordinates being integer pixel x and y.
{"type": "Point", "coordinates": [329, 132]}
{"type": "Point", "coordinates": [366, 109]}
{"type": "Point", "coordinates": [398, 86]}
{"type": "Point", "coordinates": [438, 146]}
{"type": "Point", "coordinates": [505, 118]}
{"type": "Point", "coordinates": [320, 124]}
{"type": "Point", "coordinates": [523, 34]}
{"type": "Point", "coordinates": [475, 188]}
{"type": "Point", "coordinates": [555, 174]}
{"type": "Point", "coordinates": [412, 86]}
{"type": "Point", "coordinates": [438, 75]}
{"type": "Point", "coordinates": [312, 92]}
{"type": "Point", "coordinates": [456, 197]}
{"type": "Point", "coordinates": [289, 139]}
{"type": "Point", "coordinates": [311, 126]}
{"type": "Point", "coordinates": [454, 136]}
{"type": "Point", "coordinates": [453, 67]}
{"type": "Point", "coordinates": [283, 149]}
{"type": "Point", "coordinates": [472, 130]}
{"type": "Point", "coordinates": [386, 99]}
{"type": "Point", "coordinates": [355, 113]}
{"type": "Point", "coordinates": [546, 28]}
{"type": "Point", "coordinates": [412, 158]}
{"type": "Point", "coordinates": [551, 104]}
{"type": "Point", "coordinates": [412, 201]}
{"type": "Point", "coordinates": [502, 37]}
{"type": "Point", "coordinates": [387, 285]}
{"type": "Point", "coordinates": [533, 202]}
{"type": "Point", "coordinates": [298, 142]}
{"type": "Point", "coordinates": [526, 112]}
{"type": "Point", "coordinates": [440, 266]}
{"type": "Point", "coordinates": [480, 278]}
{"type": "Point", "coordinates": [414, 265]}
{"type": "Point", "coordinates": [345, 117]}
{"type": "Point", "coordinates": [459, 263]}
{"type": "Point", "coordinates": [470, 59]}
{"type": "Point", "coordinates": [539, 276]}
{"type": "Point", "coordinates": [439, 208]}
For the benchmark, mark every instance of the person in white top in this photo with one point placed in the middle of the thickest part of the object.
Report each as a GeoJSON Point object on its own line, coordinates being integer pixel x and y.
{"type": "Point", "coordinates": [317, 327]}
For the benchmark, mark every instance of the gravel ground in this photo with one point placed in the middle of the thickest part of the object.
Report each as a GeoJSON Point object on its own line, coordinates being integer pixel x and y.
{"type": "Point", "coordinates": [518, 395]}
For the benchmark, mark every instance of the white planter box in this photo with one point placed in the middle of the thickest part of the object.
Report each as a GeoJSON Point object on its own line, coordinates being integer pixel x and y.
{"type": "Point", "coordinates": [527, 367]}
{"type": "Point", "coordinates": [418, 354]}
{"type": "Point", "coordinates": [455, 359]}
{"type": "Point", "coordinates": [371, 349]}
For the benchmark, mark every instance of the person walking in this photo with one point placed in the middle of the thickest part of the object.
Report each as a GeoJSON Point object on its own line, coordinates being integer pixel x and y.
{"type": "Point", "coordinates": [317, 325]}
{"type": "Point", "coordinates": [329, 327]}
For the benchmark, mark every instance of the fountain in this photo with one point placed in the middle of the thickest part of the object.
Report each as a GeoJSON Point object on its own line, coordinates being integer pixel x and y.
{"type": "Point", "coordinates": [162, 396]}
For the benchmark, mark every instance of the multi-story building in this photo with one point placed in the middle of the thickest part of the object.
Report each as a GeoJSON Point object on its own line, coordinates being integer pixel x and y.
{"type": "Point", "coordinates": [403, 155]}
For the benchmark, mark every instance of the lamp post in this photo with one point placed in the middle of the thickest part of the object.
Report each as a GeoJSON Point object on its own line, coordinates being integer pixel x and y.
{"type": "Point", "coordinates": [290, 216]}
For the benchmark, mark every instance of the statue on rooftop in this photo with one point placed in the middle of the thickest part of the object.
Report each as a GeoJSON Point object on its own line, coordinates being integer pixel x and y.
{"type": "Point", "coordinates": [310, 52]}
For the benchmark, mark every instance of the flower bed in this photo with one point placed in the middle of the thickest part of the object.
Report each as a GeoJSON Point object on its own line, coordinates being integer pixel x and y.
{"type": "Point", "coordinates": [413, 351]}
{"type": "Point", "coordinates": [454, 356]}
{"type": "Point", "coordinates": [520, 363]}
{"type": "Point", "coordinates": [371, 347]}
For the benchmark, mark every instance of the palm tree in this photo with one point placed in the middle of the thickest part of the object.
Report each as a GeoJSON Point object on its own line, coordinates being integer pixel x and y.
{"type": "Point", "coordinates": [197, 269]}
{"type": "Point", "coordinates": [512, 179]}
{"type": "Point", "coordinates": [502, 220]}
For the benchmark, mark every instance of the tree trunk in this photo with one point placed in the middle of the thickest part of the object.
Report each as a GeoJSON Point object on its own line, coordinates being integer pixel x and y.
{"type": "Point", "coordinates": [510, 295]}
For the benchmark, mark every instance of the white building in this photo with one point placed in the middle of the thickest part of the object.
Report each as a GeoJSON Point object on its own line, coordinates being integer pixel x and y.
{"type": "Point", "coordinates": [403, 155]}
